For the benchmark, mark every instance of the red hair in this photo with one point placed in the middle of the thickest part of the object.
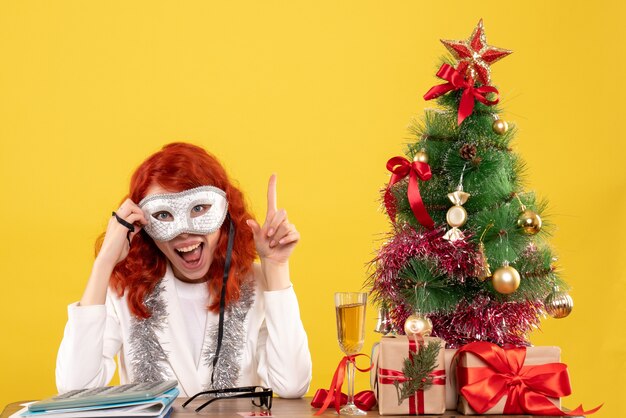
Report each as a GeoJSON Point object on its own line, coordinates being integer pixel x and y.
{"type": "Point", "coordinates": [177, 167]}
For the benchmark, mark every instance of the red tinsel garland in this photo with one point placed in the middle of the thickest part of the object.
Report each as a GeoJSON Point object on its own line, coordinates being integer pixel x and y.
{"type": "Point", "coordinates": [455, 259]}
{"type": "Point", "coordinates": [483, 319]}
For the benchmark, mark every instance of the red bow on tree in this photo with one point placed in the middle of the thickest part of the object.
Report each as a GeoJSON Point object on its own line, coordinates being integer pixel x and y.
{"type": "Point", "coordinates": [527, 388]}
{"type": "Point", "coordinates": [456, 81]}
{"type": "Point", "coordinates": [401, 167]}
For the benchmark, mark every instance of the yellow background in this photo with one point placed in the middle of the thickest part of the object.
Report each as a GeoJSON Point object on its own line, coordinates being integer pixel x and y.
{"type": "Point", "coordinates": [321, 93]}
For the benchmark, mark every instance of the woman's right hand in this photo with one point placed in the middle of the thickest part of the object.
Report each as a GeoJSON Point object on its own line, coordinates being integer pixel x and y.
{"type": "Point", "coordinates": [115, 246]}
{"type": "Point", "coordinates": [114, 249]}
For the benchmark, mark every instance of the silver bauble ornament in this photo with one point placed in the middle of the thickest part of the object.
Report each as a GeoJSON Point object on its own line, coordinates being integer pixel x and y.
{"type": "Point", "coordinates": [383, 323]}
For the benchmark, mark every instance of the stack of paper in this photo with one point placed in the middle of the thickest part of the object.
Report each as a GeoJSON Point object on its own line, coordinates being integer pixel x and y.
{"type": "Point", "coordinates": [157, 407]}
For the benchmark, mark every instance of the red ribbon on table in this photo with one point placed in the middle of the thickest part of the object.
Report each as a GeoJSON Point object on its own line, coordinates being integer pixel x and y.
{"type": "Point", "coordinates": [456, 81]}
{"type": "Point", "coordinates": [400, 167]}
{"type": "Point", "coordinates": [416, 401]}
{"type": "Point", "coordinates": [334, 392]}
{"type": "Point", "coordinates": [527, 387]}
{"type": "Point", "coordinates": [364, 400]}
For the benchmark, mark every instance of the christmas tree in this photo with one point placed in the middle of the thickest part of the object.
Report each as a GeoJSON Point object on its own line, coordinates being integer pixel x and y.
{"type": "Point", "coordinates": [467, 258]}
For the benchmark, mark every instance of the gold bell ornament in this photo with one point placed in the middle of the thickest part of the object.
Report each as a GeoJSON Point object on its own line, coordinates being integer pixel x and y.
{"type": "Point", "coordinates": [483, 270]}
{"type": "Point", "coordinates": [418, 325]}
{"type": "Point", "coordinates": [506, 279]}
{"type": "Point", "coordinates": [558, 304]}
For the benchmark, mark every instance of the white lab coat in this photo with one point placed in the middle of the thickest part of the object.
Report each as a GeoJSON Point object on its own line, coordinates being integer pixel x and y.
{"type": "Point", "coordinates": [275, 354]}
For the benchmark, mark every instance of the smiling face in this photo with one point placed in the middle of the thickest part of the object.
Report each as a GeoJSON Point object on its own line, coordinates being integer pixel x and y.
{"type": "Point", "coordinates": [189, 254]}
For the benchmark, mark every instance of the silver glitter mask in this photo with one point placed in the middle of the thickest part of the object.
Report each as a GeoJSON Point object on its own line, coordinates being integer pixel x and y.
{"type": "Point", "coordinates": [177, 212]}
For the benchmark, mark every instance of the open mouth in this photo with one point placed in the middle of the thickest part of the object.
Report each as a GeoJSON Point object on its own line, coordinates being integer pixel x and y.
{"type": "Point", "coordinates": [191, 254]}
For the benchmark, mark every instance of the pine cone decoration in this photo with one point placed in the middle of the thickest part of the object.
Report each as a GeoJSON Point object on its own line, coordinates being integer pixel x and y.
{"type": "Point", "coordinates": [468, 152]}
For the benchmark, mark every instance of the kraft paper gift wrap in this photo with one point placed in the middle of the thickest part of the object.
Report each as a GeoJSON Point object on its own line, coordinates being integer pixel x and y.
{"type": "Point", "coordinates": [534, 356]}
{"type": "Point", "coordinates": [392, 351]}
{"type": "Point", "coordinates": [374, 368]}
{"type": "Point", "coordinates": [452, 397]}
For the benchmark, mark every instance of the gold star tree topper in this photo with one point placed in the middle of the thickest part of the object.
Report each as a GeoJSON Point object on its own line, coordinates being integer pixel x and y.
{"type": "Point", "coordinates": [475, 56]}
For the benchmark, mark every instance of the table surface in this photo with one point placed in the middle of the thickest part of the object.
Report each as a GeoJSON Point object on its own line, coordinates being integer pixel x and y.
{"type": "Point", "coordinates": [292, 408]}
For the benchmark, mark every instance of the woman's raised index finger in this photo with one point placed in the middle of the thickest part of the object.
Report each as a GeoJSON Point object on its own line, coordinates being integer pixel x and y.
{"type": "Point", "coordinates": [271, 194]}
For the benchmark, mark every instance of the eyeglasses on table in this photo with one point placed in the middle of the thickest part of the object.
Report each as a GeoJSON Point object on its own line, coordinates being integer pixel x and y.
{"type": "Point", "coordinates": [264, 395]}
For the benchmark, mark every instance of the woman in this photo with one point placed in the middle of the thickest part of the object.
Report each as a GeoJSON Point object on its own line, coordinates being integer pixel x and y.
{"type": "Point", "coordinates": [156, 295]}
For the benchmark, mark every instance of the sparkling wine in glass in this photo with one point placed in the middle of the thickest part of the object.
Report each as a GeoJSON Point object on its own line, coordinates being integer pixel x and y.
{"type": "Point", "coordinates": [350, 309]}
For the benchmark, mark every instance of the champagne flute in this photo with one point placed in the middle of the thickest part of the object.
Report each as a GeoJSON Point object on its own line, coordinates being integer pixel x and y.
{"type": "Point", "coordinates": [350, 309]}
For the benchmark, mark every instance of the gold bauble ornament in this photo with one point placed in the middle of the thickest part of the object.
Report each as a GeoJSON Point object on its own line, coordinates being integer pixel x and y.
{"type": "Point", "coordinates": [418, 325]}
{"type": "Point", "coordinates": [506, 279]}
{"type": "Point", "coordinates": [529, 221]}
{"type": "Point", "coordinates": [500, 126]}
{"type": "Point", "coordinates": [421, 156]}
{"type": "Point", "coordinates": [558, 304]}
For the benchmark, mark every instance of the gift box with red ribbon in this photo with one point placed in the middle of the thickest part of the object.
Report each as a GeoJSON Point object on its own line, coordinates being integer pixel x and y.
{"type": "Point", "coordinates": [394, 388]}
{"type": "Point", "coordinates": [519, 380]}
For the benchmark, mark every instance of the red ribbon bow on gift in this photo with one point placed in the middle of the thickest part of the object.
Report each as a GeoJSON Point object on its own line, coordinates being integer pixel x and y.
{"type": "Point", "coordinates": [527, 387]}
{"type": "Point", "coordinates": [456, 81]}
{"type": "Point", "coordinates": [334, 393]}
{"type": "Point", "coordinates": [401, 167]}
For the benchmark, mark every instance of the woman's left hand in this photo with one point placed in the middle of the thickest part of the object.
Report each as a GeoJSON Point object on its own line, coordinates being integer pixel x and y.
{"type": "Point", "coordinates": [277, 238]}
